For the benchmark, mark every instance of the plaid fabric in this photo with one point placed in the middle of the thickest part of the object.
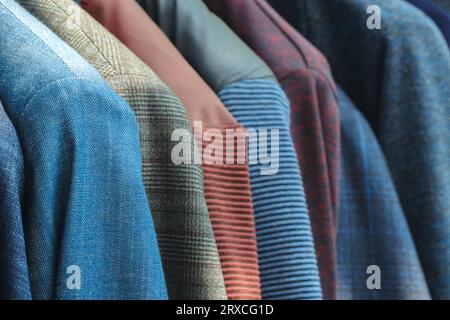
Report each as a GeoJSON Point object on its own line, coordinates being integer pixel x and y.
{"type": "Point", "coordinates": [305, 76]}
{"type": "Point", "coordinates": [14, 277]}
{"type": "Point", "coordinates": [372, 226]}
{"type": "Point", "coordinates": [185, 237]}
{"type": "Point", "coordinates": [399, 78]}
{"type": "Point", "coordinates": [227, 186]}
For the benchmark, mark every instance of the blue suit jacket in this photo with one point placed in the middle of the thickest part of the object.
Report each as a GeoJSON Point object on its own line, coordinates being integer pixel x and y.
{"type": "Point", "coordinates": [89, 233]}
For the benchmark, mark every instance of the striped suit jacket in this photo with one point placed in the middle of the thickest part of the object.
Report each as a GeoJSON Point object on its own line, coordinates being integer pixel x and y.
{"type": "Point", "coordinates": [305, 76]}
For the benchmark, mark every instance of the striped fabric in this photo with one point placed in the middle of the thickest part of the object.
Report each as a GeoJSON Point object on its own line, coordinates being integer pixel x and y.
{"type": "Point", "coordinates": [229, 199]}
{"type": "Point", "coordinates": [287, 258]}
{"type": "Point", "coordinates": [372, 225]}
{"type": "Point", "coordinates": [176, 193]}
{"type": "Point", "coordinates": [305, 76]}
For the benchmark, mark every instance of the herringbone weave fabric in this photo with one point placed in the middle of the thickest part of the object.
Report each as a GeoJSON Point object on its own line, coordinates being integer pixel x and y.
{"type": "Point", "coordinates": [176, 193]}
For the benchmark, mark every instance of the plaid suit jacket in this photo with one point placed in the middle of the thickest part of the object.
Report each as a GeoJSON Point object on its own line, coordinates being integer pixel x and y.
{"type": "Point", "coordinates": [373, 229]}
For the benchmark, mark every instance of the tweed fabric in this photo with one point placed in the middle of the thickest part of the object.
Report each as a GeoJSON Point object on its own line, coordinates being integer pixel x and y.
{"type": "Point", "coordinates": [185, 237]}
{"type": "Point", "coordinates": [227, 186]}
{"type": "Point", "coordinates": [372, 225]}
{"type": "Point", "coordinates": [439, 16]}
{"type": "Point", "coordinates": [399, 77]}
{"type": "Point", "coordinates": [87, 223]}
{"type": "Point", "coordinates": [287, 258]}
{"type": "Point", "coordinates": [305, 76]}
{"type": "Point", "coordinates": [14, 277]}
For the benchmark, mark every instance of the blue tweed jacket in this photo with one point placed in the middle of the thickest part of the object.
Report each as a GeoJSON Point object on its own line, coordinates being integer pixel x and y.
{"type": "Point", "coordinates": [88, 227]}
{"type": "Point", "coordinates": [399, 78]}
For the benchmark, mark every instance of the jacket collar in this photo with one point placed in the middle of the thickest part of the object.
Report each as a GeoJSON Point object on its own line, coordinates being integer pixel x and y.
{"type": "Point", "coordinates": [206, 42]}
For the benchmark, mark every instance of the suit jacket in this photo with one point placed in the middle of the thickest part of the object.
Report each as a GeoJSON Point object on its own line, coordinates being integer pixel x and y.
{"type": "Point", "coordinates": [287, 259]}
{"type": "Point", "coordinates": [398, 77]}
{"type": "Point", "coordinates": [14, 277]}
{"type": "Point", "coordinates": [87, 223]}
{"type": "Point", "coordinates": [306, 78]}
{"type": "Point", "coordinates": [371, 219]}
{"type": "Point", "coordinates": [176, 193]}
{"type": "Point", "coordinates": [227, 186]}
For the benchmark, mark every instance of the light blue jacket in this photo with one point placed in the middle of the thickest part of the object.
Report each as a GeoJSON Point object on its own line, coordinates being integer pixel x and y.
{"type": "Point", "coordinates": [88, 229]}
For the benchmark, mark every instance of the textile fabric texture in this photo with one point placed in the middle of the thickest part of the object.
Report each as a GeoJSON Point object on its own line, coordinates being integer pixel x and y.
{"type": "Point", "coordinates": [229, 199]}
{"type": "Point", "coordinates": [439, 16]}
{"type": "Point", "coordinates": [306, 78]}
{"type": "Point", "coordinates": [176, 193]}
{"type": "Point", "coordinates": [227, 186]}
{"type": "Point", "coordinates": [399, 78]}
{"type": "Point", "coordinates": [14, 277]}
{"type": "Point", "coordinates": [287, 259]}
{"type": "Point", "coordinates": [87, 223]}
{"type": "Point", "coordinates": [372, 225]}
{"type": "Point", "coordinates": [206, 42]}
